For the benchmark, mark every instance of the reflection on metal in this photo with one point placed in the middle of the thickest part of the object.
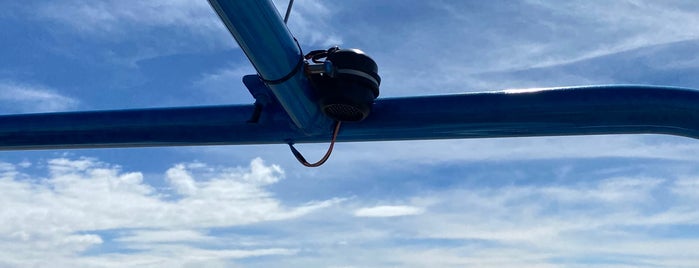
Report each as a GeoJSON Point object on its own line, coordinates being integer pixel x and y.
{"type": "Point", "coordinates": [564, 111]}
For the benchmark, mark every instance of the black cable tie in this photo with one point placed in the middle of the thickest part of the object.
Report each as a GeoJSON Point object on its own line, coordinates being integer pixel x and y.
{"type": "Point", "coordinates": [290, 74]}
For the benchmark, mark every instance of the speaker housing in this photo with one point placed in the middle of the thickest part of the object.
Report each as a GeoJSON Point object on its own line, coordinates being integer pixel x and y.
{"type": "Point", "coordinates": [347, 85]}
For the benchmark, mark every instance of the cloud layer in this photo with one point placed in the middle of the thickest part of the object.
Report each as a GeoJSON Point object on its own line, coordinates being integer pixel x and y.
{"type": "Point", "coordinates": [80, 201]}
{"type": "Point", "coordinates": [89, 213]}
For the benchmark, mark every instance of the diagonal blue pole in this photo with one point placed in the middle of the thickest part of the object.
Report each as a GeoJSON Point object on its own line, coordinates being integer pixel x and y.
{"type": "Point", "coordinates": [262, 35]}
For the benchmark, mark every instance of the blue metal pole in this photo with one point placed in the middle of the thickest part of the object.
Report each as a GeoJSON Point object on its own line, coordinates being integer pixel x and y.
{"type": "Point", "coordinates": [262, 35]}
{"type": "Point", "coordinates": [612, 109]}
{"type": "Point", "coordinates": [213, 125]}
{"type": "Point", "coordinates": [565, 111]}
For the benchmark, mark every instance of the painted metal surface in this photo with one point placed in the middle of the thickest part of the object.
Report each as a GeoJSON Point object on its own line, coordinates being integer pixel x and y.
{"type": "Point", "coordinates": [564, 111]}
{"type": "Point", "coordinates": [262, 35]}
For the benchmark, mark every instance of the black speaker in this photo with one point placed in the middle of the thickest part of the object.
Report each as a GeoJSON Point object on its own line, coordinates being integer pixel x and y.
{"type": "Point", "coordinates": [348, 85]}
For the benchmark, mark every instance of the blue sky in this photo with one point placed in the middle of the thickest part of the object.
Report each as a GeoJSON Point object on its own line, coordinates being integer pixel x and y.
{"type": "Point", "coordinates": [605, 201]}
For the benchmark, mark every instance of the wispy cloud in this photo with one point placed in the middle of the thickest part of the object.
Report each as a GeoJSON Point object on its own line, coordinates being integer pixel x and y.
{"type": "Point", "coordinates": [687, 187]}
{"type": "Point", "coordinates": [615, 221]}
{"type": "Point", "coordinates": [454, 43]}
{"type": "Point", "coordinates": [224, 85]}
{"type": "Point", "coordinates": [129, 32]}
{"type": "Point", "coordinates": [20, 97]}
{"type": "Point", "coordinates": [387, 211]}
{"type": "Point", "coordinates": [174, 26]}
{"type": "Point", "coordinates": [163, 236]}
{"type": "Point", "coordinates": [309, 23]}
{"type": "Point", "coordinates": [110, 19]}
{"type": "Point", "coordinates": [578, 30]}
{"type": "Point", "coordinates": [513, 149]}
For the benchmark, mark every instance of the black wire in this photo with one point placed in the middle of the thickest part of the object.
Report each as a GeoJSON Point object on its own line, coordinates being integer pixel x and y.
{"type": "Point", "coordinates": [320, 162]}
{"type": "Point", "coordinates": [315, 57]}
{"type": "Point", "coordinates": [291, 74]}
{"type": "Point", "coordinates": [288, 11]}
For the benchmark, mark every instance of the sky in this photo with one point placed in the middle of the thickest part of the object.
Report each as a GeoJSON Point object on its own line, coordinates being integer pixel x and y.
{"type": "Point", "coordinates": [579, 201]}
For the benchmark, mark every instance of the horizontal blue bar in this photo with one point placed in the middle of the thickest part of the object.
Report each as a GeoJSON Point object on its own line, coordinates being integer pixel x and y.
{"type": "Point", "coordinates": [564, 111]}
{"type": "Point", "coordinates": [550, 112]}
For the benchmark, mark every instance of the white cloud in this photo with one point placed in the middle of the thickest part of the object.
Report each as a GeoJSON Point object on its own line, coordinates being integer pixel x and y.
{"type": "Point", "coordinates": [516, 225]}
{"type": "Point", "coordinates": [387, 211]}
{"type": "Point", "coordinates": [19, 97]}
{"type": "Point", "coordinates": [543, 214]}
{"type": "Point", "coordinates": [181, 180]}
{"type": "Point", "coordinates": [61, 216]}
{"type": "Point", "coordinates": [532, 225]}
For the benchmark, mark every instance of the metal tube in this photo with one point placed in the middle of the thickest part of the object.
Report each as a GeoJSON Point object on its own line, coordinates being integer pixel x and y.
{"type": "Point", "coordinates": [262, 35]}
{"type": "Point", "coordinates": [590, 110]}
{"type": "Point", "coordinates": [213, 125]}
{"type": "Point", "coordinates": [565, 111]}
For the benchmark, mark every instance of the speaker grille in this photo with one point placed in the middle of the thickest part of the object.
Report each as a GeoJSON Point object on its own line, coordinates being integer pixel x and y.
{"type": "Point", "coordinates": [343, 112]}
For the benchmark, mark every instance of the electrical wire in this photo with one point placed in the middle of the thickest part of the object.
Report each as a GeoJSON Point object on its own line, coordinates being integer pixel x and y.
{"type": "Point", "coordinates": [291, 74]}
{"type": "Point", "coordinates": [288, 11]}
{"type": "Point", "coordinates": [298, 66]}
{"type": "Point", "coordinates": [320, 162]}
{"type": "Point", "coordinates": [315, 58]}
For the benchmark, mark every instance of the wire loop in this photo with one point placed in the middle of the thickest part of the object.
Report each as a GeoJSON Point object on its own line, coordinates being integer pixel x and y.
{"type": "Point", "coordinates": [320, 162]}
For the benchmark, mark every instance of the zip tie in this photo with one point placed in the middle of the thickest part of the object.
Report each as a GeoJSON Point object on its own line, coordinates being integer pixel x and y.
{"type": "Point", "coordinates": [291, 73]}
